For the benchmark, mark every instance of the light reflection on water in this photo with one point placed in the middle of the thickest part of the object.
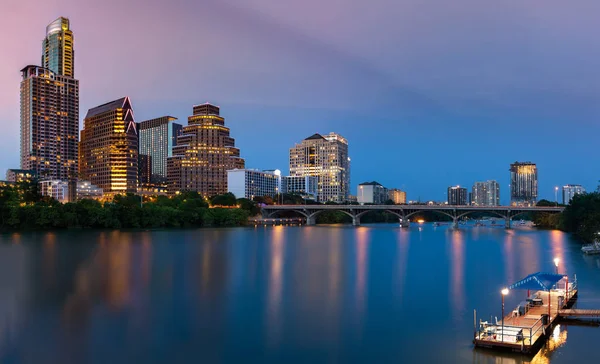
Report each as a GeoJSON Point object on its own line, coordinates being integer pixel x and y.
{"type": "Point", "coordinates": [279, 294]}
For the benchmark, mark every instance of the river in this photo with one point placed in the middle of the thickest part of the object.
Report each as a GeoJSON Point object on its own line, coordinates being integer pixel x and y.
{"type": "Point", "coordinates": [317, 294]}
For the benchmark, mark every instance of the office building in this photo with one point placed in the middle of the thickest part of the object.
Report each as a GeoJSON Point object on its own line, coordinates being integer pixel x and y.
{"type": "Point", "coordinates": [397, 196]}
{"type": "Point", "coordinates": [57, 189]}
{"type": "Point", "coordinates": [372, 193]}
{"type": "Point", "coordinates": [86, 190]}
{"type": "Point", "coordinates": [457, 196]}
{"type": "Point", "coordinates": [523, 184]}
{"type": "Point", "coordinates": [304, 186]}
{"type": "Point", "coordinates": [250, 183]}
{"type": "Point", "coordinates": [50, 108]}
{"type": "Point", "coordinates": [144, 170]}
{"type": "Point", "coordinates": [20, 175]}
{"type": "Point", "coordinates": [57, 48]}
{"type": "Point", "coordinates": [204, 153]}
{"type": "Point", "coordinates": [157, 137]}
{"type": "Point", "coordinates": [108, 152]}
{"type": "Point", "coordinates": [324, 157]}
{"type": "Point", "coordinates": [569, 191]}
{"type": "Point", "coordinates": [485, 193]}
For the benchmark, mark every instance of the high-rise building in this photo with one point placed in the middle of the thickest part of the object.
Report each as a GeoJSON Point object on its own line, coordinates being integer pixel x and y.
{"type": "Point", "coordinates": [50, 109]}
{"type": "Point", "coordinates": [157, 137]}
{"type": "Point", "coordinates": [569, 191]}
{"type": "Point", "coordinates": [305, 186]}
{"type": "Point", "coordinates": [250, 183]}
{"type": "Point", "coordinates": [203, 154]}
{"type": "Point", "coordinates": [396, 195]}
{"type": "Point", "coordinates": [325, 157]}
{"type": "Point", "coordinates": [457, 196]}
{"type": "Point", "coordinates": [57, 48]}
{"type": "Point", "coordinates": [144, 170]}
{"type": "Point", "coordinates": [523, 184]}
{"type": "Point", "coordinates": [485, 193]}
{"type": "Point", "coordinates": [49, 123]}
{"type": "Point", "coordinates": [108, 151]}
{"type": "Point", "coordinates": [371, 192]}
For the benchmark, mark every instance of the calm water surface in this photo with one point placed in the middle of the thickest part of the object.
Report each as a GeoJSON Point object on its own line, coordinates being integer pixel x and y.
{"type": "Point", "coordinates": [277, 294]}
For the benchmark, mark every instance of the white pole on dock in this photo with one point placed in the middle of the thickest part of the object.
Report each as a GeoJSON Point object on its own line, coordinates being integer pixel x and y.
{"type": "Point", "coordinates": [475, 324]}
{"type": "Point", "coordinates": [504, 293]}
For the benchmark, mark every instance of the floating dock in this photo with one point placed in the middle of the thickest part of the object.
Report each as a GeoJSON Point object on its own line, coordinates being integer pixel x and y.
{"type": "Point", "coordinates": [525, 328]}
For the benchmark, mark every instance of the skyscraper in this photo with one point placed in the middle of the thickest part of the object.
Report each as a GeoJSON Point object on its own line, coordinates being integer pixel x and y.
{"type": "Point", "coordinates": [485, 194]}
{"type": "Point", "coordinates": [203, 154]}
{"type": "Point", "coordinates": [50, 109]}
{"type": "Point", "coordinates": [325, 157]}
{"type": "Point", "coordinates": [108, 152]}
{"type": "Point", "coordinates": [57, 48]}
{"type": "Point", "coordinates": [157, 137]}
{"type": "Point", "coordinates": [523, 184]}
{"type": "Point", "coordinates": [457, 196]}
{"type": "Point", "coordinates": [569, 191]}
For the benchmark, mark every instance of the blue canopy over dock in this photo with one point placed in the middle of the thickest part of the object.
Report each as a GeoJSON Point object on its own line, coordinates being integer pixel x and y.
{"type": "Point", "coordinates": [537, 281]}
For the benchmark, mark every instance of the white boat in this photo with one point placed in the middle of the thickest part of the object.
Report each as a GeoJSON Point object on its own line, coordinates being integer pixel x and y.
{"type": "Point", "coordinates": [590, 249]}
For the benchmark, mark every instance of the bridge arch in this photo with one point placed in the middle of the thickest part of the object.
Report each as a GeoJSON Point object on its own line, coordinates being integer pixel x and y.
{"type": "Point", "coordinates": [490, 211]}
{"type": "Point", "coordinates": [275, 212]}
{"type": "Point", "coordinates": [440, 211]}
{"type": "Point", "coordinates": [314, 214]}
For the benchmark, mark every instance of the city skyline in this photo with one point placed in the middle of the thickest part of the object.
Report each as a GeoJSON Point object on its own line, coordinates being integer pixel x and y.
{"type": "Point", "coordinates": [332, 109]}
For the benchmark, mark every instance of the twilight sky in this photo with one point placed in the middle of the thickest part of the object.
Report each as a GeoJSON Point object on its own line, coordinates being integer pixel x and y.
{"type": "Point", "coordinates": [429, 93]}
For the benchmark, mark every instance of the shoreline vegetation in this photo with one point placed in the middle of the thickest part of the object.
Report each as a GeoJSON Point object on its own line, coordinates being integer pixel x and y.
{"type": "Point", "coordinates": [23, 208]}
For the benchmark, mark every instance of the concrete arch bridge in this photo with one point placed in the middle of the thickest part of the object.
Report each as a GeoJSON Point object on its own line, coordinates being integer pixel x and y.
{"type": "Point", "coordinates": [405, 212]}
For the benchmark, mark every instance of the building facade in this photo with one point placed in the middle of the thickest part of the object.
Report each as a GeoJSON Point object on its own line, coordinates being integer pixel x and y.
{"type": "Point", "coordinates": [57, 189]}
{"type": "Point", "coordinates": [204, 153]}
{"type": "Point", "coordinates": [324, 157]}
{"type": "Point", "coordinates": [20, 175]}
{"type": "Point", "coordinates": [457, 196]}
{"type": "Point", "coordinates": [569, 191]}
{"type": "Point", "coordinates": [371, 192]}
{"type": "Point", "coordinates": [157, 137]}
{"type": "Point", "coordinates": [396, 195]}
{"type": "Point", "coordinates": [86, 190]}
{"type": "Point", "coordinates": [250, 183]}
{"type": "Point", "coordinates": [57, 48]}
{"type": "Point", "coordinates": [108, 152]}
{"type": "Point", "coordinates": [306, 186]}
{"type": "Point", "coordinates": [49, 123]}
{"type": "Point", "coordinates": [523, 184]}
{"type": "Point", "coordinates": [485, 194]}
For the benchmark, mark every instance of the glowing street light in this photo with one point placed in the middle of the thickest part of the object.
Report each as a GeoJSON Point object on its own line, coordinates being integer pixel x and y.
{"type": "Point", "coordinates": [504, 293]}
{"type": "Point", "coordinates": [556, 195]}
{"type": "Point", "coordinates": [556, 261]}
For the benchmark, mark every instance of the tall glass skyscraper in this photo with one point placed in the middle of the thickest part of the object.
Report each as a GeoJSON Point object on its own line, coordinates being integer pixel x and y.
{"type": "Point", "coordinates": [57, 48]}
{"type": "Point", "coordinates": [108, 152]}
{"type": "Point", "coordinates": [50, 109]}
{"type": "Point", "coordinates": [157, 137]}
{"type": "Point", "coordinates": [523, 184]}
{"type": "Point", "coordinates": [457, 196]}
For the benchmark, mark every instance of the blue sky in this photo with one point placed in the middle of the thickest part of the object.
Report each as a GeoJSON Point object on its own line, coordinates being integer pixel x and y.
{"type": "Point", "coordinates": [429, 93]}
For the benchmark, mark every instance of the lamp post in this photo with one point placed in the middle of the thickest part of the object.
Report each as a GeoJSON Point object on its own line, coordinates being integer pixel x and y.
{"type": "Point", "coordinates": [504, 293]}
{"type": "Point", "coordinates": [556, 195]}
{"type": "Point", "coordinates": [556, 261]}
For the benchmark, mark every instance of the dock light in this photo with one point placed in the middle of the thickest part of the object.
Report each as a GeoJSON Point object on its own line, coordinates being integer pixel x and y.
{"type": "Point", "coordinates": [504, 293]}
{"type": "Point", "coordinates": [556, 261]}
